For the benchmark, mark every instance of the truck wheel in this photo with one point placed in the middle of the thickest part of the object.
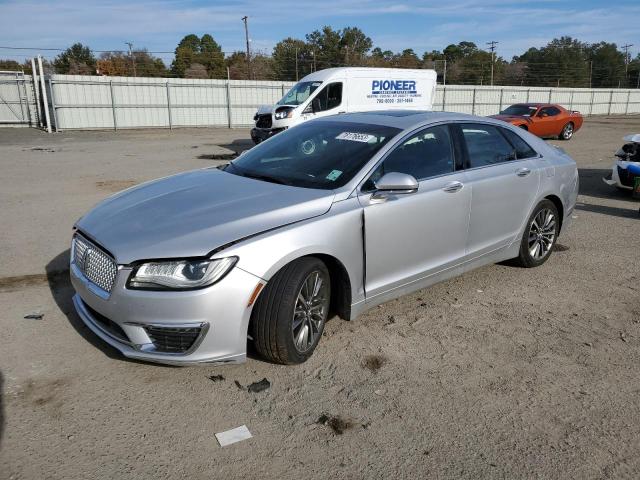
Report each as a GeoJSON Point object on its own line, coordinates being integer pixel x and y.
{"type": "Point", "coordinates": [567, 131]}
{"type": "Point", "coordinates": [539, 236]}
{"type": "Point", "coordinates": [289, 316]}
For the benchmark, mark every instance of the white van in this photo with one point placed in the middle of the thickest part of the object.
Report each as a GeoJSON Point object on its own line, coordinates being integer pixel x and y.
{"type": "Point", "coordinates": [348, 89]}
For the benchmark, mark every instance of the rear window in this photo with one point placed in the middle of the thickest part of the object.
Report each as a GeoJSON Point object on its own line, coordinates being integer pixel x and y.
{"type": "Point", "coordinates": [523, 150]}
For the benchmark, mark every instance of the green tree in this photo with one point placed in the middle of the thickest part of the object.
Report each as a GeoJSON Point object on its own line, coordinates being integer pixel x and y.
{"type": "Point", "coordinates": [608, 65]}
{"type": "Point", "coordinates": [76, 60]}
{"type": "Point", "coordinates": [284, 53]}
{"type": "Point", "coordinates": [202, 51]}
{"type": "Point", "coordinates": [407, 59]}
{"type": "Point", "coordinates": [334, 48]}
{"type": "Point", "coordinates": [562, 62]}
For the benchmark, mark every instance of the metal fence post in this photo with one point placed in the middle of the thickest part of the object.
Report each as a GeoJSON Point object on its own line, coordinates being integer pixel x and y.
{"type": "Point", "coordinates": [550, 91]}
{"type": "Point", "coordinates": [283, 92]}
{"type": "Point", "coordinates": [20, 97]}
{"type": "Point", "coordinates": [229, 122]}
{"type": "Point", "coordinates": [593, 94]}
{"type": "Point", "coordinates": [36, 91]}
{"type": "Point", "coordinates": [45, 102]}
{"type": "Point", "coordinates": [113, 106]}
{"type": "Point", "coordinates": [444, 98]}
{"type": "Point", "coordinates": [473, 104]}
{"type": "Point", "coordinates": [169, 105]}
{"type": "Point", "coordinates": [528, 95]}
{"type": "Point", "coordinates": [571, 101]}
{"type": "Point", "coordinates": [501, 93]}
{"type": "Point", "coordinates": [610, 102]}
{"type": "Point", "coordinates": [626, 108]}
{"type": "Point", "coordinates": [53, 106]}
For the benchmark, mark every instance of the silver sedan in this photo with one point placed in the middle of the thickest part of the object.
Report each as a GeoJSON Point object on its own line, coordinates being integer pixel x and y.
{"type": "Point", "coordinates": [331, 217]}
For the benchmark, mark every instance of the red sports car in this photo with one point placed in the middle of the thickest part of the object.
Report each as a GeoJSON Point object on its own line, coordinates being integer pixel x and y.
{"type": "Point", "coordinates": [543, 119]}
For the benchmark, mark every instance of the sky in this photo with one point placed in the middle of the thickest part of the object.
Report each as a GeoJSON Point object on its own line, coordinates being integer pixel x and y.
{"type": "Point", "coordinates": [158, 25]}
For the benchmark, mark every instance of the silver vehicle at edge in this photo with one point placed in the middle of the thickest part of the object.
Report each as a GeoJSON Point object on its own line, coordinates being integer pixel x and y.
{"type": "Point", "coordinates": [330, 217]}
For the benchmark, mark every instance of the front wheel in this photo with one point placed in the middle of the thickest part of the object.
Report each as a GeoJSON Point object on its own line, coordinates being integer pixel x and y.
{"type": "Point", "coordinates": [567, 132]}
{"type": "Point", "coordinates": [290, 314]}
{"type": "Point", "coordinates": [539, 235]}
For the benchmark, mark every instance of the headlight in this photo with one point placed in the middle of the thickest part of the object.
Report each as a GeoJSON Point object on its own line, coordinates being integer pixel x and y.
{"type": "Point", "coordinates": [181, 274]}
{"type": "Point", "coordinates": [283, 114]}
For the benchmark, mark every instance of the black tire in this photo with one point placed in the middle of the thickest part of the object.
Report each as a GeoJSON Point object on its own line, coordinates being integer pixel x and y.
{"type": "Point", "coordinates": [567, 132]}
{"type": "Point", "coordinates": [525, 258]}
{"type": "Point", "coordinates": [272, 318]}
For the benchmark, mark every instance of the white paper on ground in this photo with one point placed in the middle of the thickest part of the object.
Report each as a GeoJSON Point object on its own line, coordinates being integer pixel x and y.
{"type": "Point", "coordinates": [234, 435]}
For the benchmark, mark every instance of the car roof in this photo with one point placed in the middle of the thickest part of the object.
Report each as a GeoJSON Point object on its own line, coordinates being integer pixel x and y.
{"type": "Point", "coordinates": [405, 119]}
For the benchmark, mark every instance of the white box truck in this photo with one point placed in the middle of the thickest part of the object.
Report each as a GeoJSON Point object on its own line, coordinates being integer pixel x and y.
{"type": "Point", "coordinates": [348, 89]}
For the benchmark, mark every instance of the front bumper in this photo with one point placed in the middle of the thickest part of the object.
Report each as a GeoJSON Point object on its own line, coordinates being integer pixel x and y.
{"type": "Point", "coordinates": [220, 314]}
{"type": "Point", "coordinates": [261, 134]}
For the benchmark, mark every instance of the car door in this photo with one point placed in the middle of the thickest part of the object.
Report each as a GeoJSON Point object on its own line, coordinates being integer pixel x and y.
{"type": "Point", "coordinates": [546, 122]}
{"type": "Point", "coordinates": [503, 177]}
{"type": "Point", "coordinates": [410, 236]}
{"type": "Point", "coordinates": [326, 102]}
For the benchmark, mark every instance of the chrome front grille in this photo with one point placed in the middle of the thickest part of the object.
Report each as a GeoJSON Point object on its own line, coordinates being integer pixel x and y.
{"type": "Point", "coordinates": [95, 264]}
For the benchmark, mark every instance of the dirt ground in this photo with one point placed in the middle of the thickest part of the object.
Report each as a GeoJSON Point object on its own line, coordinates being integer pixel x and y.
{"type": "Point", "coordinates": [502, 373]}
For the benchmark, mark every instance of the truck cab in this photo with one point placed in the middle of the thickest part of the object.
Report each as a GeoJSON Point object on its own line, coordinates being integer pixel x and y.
{"type": "Point", "coordinates": [341, 90]}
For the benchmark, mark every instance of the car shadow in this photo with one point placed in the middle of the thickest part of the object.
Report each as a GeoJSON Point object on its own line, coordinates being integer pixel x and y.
{"type": "Point", "coordinates": [591, 184]}
{"type": "Point", "coordinates": [59, 283]}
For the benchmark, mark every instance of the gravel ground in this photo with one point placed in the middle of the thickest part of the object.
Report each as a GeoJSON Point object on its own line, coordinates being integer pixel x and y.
{"type": "Point", "coordinates": [501, 373]}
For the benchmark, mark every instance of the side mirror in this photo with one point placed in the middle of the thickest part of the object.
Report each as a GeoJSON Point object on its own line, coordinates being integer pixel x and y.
{"type": "Point", "coordinates": [394, 183]}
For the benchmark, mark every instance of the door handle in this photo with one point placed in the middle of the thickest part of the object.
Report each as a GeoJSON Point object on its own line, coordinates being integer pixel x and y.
{"type": "Point", "coordinates": [453, 187]}
{"type": "Point", "coordinates": [523, 172]}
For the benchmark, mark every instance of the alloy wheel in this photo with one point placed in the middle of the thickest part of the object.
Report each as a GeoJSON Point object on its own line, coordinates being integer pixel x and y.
{"type": "Point", "coordinates": [310, 312]}
{"type": "Point", "coordinates": [567, 131]}
{"type": "Point", "coordinates": [542, 234]}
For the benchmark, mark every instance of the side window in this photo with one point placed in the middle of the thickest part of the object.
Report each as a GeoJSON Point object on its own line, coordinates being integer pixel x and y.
{"type": "Point", "coordinates": [423, 155]}
{"type": "Point", "coordinates": [486, 146]}
{"type": "Point", "coordinates": [523, 150]}
{"type": "Point", "coordinates": [329, 97]}
{"type": "Point", "coordinates": [549, 111]}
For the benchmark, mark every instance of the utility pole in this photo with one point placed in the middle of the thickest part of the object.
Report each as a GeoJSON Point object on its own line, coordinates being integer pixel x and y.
{"type": "Point", "coordinates": [626, 57]}
{"type": "Point", "coordinates": [246, 37]}
{"type": "Point", "coordinates": [492, 46]}
{"type": "Point", "coordinates": [133, 60]}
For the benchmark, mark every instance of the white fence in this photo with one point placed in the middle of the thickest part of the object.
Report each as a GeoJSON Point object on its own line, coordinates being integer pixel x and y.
{"type": "Point", "coordinates": [86, 102]}
{"type": "Point", "coordinates": [18, 104]}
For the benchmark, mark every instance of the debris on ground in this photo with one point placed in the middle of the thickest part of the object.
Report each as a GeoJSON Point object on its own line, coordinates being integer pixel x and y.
{"type": "Point", "coordinates": [233, 436]}
{"type": "Point", "coordinates": [337, 424]}
{"type": "Point", "coordinates": [34, 316]}
{"type": "Point", "coordinates": [238, 385]}
{"type": "Point", "coordinates": [560, 248]}
{"type": "Point", "coordinates": [623, 336]}
{"type": "Point", "coordinates": [260, 386]}
{"type": "Point", "coordinates": [216, 378]}
{"type": "Point", "coordinates": [374, 362]}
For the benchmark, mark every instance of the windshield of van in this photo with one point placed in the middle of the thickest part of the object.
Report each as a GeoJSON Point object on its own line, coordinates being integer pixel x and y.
{"type": "Point", "coordinates": [323, 155]}
{"type": "Point", "coordinates": [299, 93]}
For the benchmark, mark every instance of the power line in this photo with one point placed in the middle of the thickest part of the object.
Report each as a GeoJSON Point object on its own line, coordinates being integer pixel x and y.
{"type": "Point", "coordinates": [492, 46]}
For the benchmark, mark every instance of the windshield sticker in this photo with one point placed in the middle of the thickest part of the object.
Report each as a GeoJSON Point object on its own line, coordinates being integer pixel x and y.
{"type": "Point", "coordinates": [333, 176]}
{"type": "Point", "coordinates": [356, 137]}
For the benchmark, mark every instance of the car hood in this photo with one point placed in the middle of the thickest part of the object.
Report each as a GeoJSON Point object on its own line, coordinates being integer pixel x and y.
{"type": "Point", "coordinates": [511, 118]}
{"type": "Point", "coordinates": [191, 214]}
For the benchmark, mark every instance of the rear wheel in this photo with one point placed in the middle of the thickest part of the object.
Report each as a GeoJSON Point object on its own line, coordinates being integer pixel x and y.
{"type": "Point", "coordinates": [567, 132]}
{"type": "Point", "coordinates": [539, 236]}
{"type": "Point", "coordinates": [290, 314]}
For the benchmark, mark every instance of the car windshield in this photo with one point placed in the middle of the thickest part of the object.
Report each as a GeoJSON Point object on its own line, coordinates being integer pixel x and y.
{"type": "Point", "coordinates": [324, 155]}
{"type": "Point", "coordinates": [519, 110]}
{"type": "Point", "coordinates": [299, 93]}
